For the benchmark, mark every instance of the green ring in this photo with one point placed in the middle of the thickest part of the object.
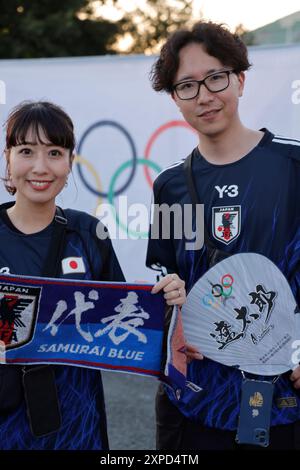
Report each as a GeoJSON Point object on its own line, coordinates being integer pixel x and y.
{"type": "Point", "coordinates": [140, 161]}
{"type": "Point", "coordinates": [227, 295]}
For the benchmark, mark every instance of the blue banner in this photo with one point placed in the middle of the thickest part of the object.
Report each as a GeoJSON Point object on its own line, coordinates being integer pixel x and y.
{"type": "Point", "coordinates": [100, 325]}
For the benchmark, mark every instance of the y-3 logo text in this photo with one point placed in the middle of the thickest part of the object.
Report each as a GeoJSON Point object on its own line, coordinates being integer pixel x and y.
{"type": "Point", "coordinates": [231, 191]}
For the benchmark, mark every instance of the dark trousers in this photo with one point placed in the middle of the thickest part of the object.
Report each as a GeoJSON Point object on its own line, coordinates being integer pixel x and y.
{"type": "Point", "coordinates": [176, 432]}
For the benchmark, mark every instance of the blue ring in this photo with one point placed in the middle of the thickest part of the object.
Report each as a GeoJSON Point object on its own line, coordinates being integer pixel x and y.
{"type": "Point", "coordinates": [134, 157]}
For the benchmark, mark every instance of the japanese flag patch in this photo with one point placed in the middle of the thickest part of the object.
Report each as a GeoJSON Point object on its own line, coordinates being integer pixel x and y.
{"type": "Point", "coordinates": [73, 265]}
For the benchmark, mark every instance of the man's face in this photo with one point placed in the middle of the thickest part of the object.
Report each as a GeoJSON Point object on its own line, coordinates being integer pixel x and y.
{"type": "Point", "coordinates": [211, 114]}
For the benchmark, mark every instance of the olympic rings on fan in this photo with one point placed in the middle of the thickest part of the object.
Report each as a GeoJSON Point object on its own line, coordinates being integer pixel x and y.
{"type": "Point", "coordinates": [229, 283]}
{"type": "Point", "coordinates": [221, 291]}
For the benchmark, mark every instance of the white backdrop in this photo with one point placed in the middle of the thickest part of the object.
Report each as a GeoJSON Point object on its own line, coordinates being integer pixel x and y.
{"type": "Point", "coordinates": [117, 89]}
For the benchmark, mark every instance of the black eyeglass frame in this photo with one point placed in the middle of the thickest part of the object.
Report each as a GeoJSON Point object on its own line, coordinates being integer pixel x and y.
{"type": "Point", "coordinates": [202, 82]}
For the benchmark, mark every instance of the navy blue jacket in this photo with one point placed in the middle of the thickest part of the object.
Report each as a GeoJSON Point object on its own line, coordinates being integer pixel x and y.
{"type": "Point", "coordinates": [80, 390]}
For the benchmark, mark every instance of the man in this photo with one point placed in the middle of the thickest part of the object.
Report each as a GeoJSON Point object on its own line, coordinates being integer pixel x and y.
{"type": "Point", "coordinates": [248, 181]}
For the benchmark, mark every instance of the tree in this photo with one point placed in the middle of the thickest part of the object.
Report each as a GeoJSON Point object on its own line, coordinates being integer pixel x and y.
{"type": "Point", "coordinates": [60, 28]}
{"type": "Point", "coordinates": [248, 37]}
{"type": "Point", "coordinates": [150, 25]}
{"type": "Point", "coordinates": [53, 28]}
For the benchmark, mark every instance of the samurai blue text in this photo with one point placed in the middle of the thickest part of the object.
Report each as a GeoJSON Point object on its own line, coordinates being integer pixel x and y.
{"type": "Point", "coordinates": [92, 350]}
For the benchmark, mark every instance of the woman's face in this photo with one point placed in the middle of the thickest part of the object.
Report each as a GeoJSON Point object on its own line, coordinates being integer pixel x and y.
{"type": "Point", "coordinates": [38, 171]}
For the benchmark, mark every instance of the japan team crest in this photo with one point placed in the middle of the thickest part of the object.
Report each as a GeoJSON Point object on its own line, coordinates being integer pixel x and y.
{"type": "Point", "coordinates": [18, 310]}
{"type": "Point", "coordinates": [226, 223]}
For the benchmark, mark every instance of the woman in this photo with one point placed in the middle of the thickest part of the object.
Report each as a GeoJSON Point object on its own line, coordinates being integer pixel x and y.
{"type": "Point", "coordinates": [64, 406]}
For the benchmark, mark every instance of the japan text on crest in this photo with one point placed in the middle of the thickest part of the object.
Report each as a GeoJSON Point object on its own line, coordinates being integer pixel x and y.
{"type": "Point", "coordinates": [226, 223]}
{"type": "Point", "coordinates": [18, 310]}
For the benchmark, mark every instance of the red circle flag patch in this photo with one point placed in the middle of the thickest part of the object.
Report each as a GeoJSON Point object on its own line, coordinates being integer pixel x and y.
{"type": "Point", "coordinates": [73, 265]}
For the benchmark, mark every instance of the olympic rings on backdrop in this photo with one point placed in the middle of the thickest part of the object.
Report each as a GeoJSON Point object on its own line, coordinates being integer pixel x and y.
{"type": "Point", "coordinates": [133, 150]}
{"type": "Point", "coordinates": [112, 193]}
{"type": "Point", "coordinates": [79, 160]}
{"type": "Point", "coordinates": [153, 138]}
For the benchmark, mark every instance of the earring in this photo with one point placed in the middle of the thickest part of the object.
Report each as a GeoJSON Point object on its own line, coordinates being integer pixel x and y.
{"type": "Point", "coordinates": [66, 183]}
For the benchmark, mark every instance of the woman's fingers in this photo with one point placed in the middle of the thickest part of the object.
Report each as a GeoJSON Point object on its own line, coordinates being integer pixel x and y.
{"type": "Point", "coordinates": [168, 283]}
{"type": "Point", "coordinates": [192, 353]}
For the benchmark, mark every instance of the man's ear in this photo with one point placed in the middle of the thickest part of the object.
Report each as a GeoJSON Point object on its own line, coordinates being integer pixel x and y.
{"type": "Point", "coordinates": [241, 78]}
{"type": "Point", "coordinates": [175, 99]}
{"type": "Point", "coordinates": [173, 96]}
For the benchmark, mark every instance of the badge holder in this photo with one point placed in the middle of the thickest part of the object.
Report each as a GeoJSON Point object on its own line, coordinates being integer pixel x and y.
{"type": "Point", "coordinates": [255, 412]}
{"type": "Point", "coordinates": [41, 398]}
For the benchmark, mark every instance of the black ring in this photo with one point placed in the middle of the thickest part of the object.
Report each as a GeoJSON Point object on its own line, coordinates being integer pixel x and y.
{"type": "Point", "coordinates": [213, 287]}
{"type": "Point", "coordinates": [134, 157]}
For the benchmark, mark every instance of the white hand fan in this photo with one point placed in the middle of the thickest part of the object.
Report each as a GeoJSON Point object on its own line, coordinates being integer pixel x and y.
{"type": "Point", "coordinates": [242, 313]}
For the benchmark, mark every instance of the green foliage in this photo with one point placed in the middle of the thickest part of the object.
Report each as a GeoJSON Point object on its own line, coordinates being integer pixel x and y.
{"type": "Point", "coordinates": [248, 37]}
{"type": "Point", "coordinates": [60, 28]}
{"type": "Point", "coordinates": [150, 26]}
{"type": "Point", "coordinates": [52, 28]}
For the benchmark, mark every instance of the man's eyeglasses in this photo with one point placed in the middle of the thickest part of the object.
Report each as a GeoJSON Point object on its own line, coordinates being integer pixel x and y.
{"type": "Point", "coordinates": [215, 82]}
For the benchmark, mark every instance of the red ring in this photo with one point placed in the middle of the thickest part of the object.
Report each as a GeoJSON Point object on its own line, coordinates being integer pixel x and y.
{"type": "Point", "coordinates": [154, 136]}
{"type": "Point", "coordinates": [222, 280]}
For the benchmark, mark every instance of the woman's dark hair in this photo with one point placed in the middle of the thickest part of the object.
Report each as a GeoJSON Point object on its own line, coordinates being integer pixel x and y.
{"type": "Point", "coordinates": [41, 117]}
{"type": "Point", "coordinates": [216, 39]}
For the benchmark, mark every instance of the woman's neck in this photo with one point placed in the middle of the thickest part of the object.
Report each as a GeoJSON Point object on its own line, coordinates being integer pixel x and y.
{"type": "Point", "coordinates": [31, 218]}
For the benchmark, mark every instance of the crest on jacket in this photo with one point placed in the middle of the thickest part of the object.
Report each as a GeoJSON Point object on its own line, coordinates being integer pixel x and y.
{"type": "Point", "coordinates": [226, 223]}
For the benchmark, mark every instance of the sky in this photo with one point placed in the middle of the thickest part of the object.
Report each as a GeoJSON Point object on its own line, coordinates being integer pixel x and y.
{"type": "Point", "coordinates": [251, 13]}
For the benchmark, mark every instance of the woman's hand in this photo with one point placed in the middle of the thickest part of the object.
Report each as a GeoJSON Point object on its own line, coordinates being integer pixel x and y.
{"type": "Point", "coordinates": [175, 294]}
{"type": "Point", "coordinates": [295, 378]}
{"type": "Point", "coordinates": [192, 353]}
{"type": "Point", "coordinates": [173, 287]}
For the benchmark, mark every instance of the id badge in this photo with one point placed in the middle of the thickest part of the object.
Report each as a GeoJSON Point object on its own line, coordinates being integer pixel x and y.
{"type": "Point", "coordinates": [255, 413]}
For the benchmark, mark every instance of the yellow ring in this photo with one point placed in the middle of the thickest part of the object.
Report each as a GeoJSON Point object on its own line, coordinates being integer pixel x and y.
{"type": "Point", "coordinates": [82, 161]}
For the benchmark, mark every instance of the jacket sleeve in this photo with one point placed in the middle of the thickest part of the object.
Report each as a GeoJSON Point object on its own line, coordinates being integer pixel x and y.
{"type": "Point", "coordinates": [108, 268]}
{"type": "Point", "coordinates": [111, 269]}
{"type": "Point", "coordinates": [161, 255]}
